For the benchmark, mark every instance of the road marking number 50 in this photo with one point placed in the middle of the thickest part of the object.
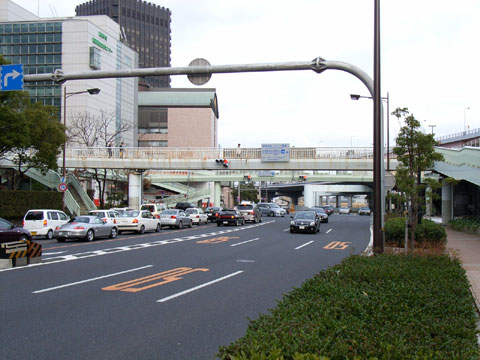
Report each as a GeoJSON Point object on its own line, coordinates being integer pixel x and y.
{"type": "Point", "coordinates": [337, 245]}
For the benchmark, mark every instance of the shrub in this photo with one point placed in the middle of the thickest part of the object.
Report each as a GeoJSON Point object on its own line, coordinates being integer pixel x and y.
{"type": "Point", "coordinates": [395, 231]}
{"type": "Point", "coordinates": [430, 232]}
{"type": "Point", "coordinates": [465, 224]}
{"type": "Point", "coordinates": [383, 307]}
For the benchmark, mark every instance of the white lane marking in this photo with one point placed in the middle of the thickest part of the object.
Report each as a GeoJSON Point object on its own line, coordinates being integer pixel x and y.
{"type": "Point", "coordinates": [54, 253]}
{"type": "Point", "coordinates": [301, 246]}
{"type": "Point", "coordinates": [328, 231]}
{"type": "Point", "coordinates": [244, 242]}
{"type": "Point", "coordinates": [246, 261]}
{"type": "Point", "coordinates": [89, 280]}
{"type": "Point", "coordinates": [286, 229]}
{"type": "Point", "coordinates": [199, 287]}
{"type": "Point", "coordinates": [88, 254]}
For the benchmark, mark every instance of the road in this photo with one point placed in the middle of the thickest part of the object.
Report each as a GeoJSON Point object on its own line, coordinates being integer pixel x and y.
{"type": "Point", "coordinates": [177, 294]}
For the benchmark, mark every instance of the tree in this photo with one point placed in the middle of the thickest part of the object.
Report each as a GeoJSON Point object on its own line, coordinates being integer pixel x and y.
{"type": "Point", "coordinates": [415, 153]}
{"type": "Point", "coordinates": [90, 130]}
{"type": "Point", "coordinates": [44, 136]}
{"type": "Point", "coordinates": [247, 191]}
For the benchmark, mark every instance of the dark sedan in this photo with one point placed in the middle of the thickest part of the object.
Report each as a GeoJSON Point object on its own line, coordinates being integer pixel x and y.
{"type": "Point", "coordinates": [10, 232]}
{"type": "Point", "coordinates": [328, 209]}
{"type": "Point", "coordinates": [230, 217]}
{"type": "Point", "coordinates": [305, 221]}
{"type": "Point", "coordinates": [212, 212]}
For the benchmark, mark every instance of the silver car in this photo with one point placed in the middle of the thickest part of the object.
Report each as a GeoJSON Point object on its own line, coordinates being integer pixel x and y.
{"type": "Point", "coordinates": [87, 227]}
{"type": "Point", "coordinates": [138, 221]}
{"type": "Point", "coordinates": [175, 218]}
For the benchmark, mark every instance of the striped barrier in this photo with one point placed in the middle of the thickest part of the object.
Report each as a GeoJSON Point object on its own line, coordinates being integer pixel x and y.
{"type": "Point", "coordinates": [34, 252]}
{"type": "Point", "coordinates": [15, 251]}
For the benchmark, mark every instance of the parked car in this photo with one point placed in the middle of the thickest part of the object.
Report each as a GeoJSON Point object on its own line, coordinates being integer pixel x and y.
{"type": "Point", "coordinates": [139, 221]}
{"type": "Point", "coordinates": [197, 215]}
{"type": "Point", "coordinates": [305, 221]}
{"type": "Point", "coordinates": [175, 218]}
{"type": "Point", "coordinates": [11, 232]}
{"type": "Point", "coordinates": [184, 205]}
{"type": "Point", "coordinates": [230, 217]}
{"type": "Point", "coordinates": [109, 216]}
{"type": "Point", "coordinates": [250, 212]}
{"type": "Point", "coordinates": [328, 209]}
{"type": "Point", "coordinates": [364, 210]}
{"type": "Point", "coordinates": [155, 209]}
{"type": "Point", "coordinates": [86, 227]}
{"type": "Point", "coordinates": [43, 222]}
{"type": "Point", "coordinates": [344, 210]}
{"type": "Point", "coordinates": [212, 213]}
{"type": "Point", "coordinates": [271, 209]}
{"type": "Point", "coordinates": [321, 214]}
{"type": "Point", "coordinates": [122, 210]}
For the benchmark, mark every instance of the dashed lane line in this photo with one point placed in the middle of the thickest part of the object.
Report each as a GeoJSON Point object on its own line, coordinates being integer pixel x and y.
{"type": "Point", "coordinates": [301, 246]}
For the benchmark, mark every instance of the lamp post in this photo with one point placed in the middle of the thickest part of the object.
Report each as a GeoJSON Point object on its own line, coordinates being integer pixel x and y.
{"type": "Point", "coordinates": [387, 100]}
{"type": "Point", "coordinates": [93, 91]}
{"type": "Point", "coordinates": [465, 119]}
{"type": "Point", "coordinates": [432, 126]}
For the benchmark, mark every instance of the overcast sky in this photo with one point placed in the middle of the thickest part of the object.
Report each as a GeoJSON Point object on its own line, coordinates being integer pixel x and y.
{"type": "Point", "coordinates": [430, 55]}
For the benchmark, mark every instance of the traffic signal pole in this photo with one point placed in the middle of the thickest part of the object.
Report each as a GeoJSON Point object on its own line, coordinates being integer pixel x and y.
{"type": "Point", "coordinates": [318, 65]}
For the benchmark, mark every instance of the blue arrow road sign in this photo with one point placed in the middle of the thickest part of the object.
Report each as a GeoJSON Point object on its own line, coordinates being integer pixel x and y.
{"type": "Point", "coordinates": [11, 77]}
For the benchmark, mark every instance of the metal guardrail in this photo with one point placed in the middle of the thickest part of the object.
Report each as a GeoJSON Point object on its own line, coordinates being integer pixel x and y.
{"type": "Point", "coordinates": [460, 135]}
{"type": "Point", "coordinates": [149, 153]}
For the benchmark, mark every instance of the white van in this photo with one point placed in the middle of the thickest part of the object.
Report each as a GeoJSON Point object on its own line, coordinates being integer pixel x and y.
{"type": "Point", "coordinates": [155, 209]}
{"type": "Point", "coordinates": [43, 222]}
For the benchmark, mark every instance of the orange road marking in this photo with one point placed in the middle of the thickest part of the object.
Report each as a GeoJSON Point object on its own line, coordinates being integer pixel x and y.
{"type": "Point", "coordinates": [337, 245]}
{"type": "Point", "coordinates": [217, 240]}
{"type": "Point", "coordinates": [166, 276]}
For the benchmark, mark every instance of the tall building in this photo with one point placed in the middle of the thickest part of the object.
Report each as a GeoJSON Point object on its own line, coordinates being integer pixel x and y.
{"type": "Point", "coordinates": [75, 44]}
{"type": "Point", "coordinates": [147, 30]}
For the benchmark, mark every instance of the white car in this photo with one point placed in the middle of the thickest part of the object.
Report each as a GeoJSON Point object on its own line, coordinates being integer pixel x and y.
{"type": "Point", "coordinates": [155, 209]}
{"type": "Point", "coordinates": [108, 216]}
{"type": "Point", "coordinates": [344, 210]}
{"type": "Point", "coordinates": [138, 221]}
{"type": "Point", "coordinates": [42, 222]}
{"type": "Point", "coordinates": [197, 215]}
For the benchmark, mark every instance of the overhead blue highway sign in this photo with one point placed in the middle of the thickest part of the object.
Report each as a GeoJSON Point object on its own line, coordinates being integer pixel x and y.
{"type": "Point", "coordinates": [11, 77]}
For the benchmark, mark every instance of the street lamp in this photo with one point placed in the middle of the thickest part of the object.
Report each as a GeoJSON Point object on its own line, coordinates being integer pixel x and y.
{"type": "Point", "coordinates": [387, 100]}
{"type": "Point", "coordinates": [432, 126]}
{"type": "Point", "coordinates": [465, 119]}
{"type": "Point", "coordinates": [93, 91]}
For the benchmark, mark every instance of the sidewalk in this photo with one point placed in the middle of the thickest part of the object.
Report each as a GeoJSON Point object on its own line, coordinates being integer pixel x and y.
{"type": "Point", "coordinates": [466, 247]}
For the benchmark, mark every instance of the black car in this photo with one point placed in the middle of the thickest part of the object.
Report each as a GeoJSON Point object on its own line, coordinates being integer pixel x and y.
{"type": "Point", "coordinates": [184, 205]}
{"type": "Point", "coordinates": [10, 232]}
{"type": "Point", "coordinates": [230, 217]}
{"type": "Point", "coordinates": [212, 212]}
{"type": "Point", "coordinates": [305, 221]}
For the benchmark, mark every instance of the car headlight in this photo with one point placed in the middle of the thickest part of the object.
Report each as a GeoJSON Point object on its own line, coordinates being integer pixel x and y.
{"type": "Point", "coordinates": [292, 222]}
{"type": "Point", "coordinates": [312, 223]}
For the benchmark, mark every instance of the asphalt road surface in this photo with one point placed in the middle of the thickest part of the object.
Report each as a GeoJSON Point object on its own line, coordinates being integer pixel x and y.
{"type": "Point", "coordinates": [177, 294]}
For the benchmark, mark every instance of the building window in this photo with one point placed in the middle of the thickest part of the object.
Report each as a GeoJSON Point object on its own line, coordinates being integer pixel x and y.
{"type": "Point", "coordinates": [95, 58]}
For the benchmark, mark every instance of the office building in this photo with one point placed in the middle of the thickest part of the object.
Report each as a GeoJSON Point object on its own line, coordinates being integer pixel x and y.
{"type": "Point", "coordinates": [74, 44]}
{"type": "Point", "coordinates": [147, 30]}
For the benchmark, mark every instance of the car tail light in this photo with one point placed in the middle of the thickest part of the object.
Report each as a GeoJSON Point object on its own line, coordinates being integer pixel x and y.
{"type": "Point", "coordinates": [233, 217]}
{"type": "Point", "coordinates": [216, 214]}
{"type": "Point", "coordinates": [79, 227]}
{"type": "Point", "coordinates": [251, 213]}
{"type": "Point", "coordinates": [57, 228]}
{"type": "Point", "coordinates": [156, 216]}
{"type": "Point", "coordinates": [135, 221]}
{"type": "Point", "coordinates": [45, 223]}
{"type": "Point", "coordinates": [198, 216]}
{"type": "Point", "coordinates": [173, 217]}
{"type": "Point", "coordinates": [23, 223]}
{"type": "Point", "coordinates": [114, 221]}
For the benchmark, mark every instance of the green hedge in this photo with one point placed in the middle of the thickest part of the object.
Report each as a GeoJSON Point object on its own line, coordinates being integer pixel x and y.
{"type": "Point", "coordinates": [427, 231]}
{"type": "Point", "coordinates": [383, 307]}
{"type": "Point", "coordinates": [465, 224]}
{"type": "Point", "coordinates": [14, 204]}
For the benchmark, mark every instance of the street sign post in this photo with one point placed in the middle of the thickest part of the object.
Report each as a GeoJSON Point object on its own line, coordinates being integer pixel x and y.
{"type": "Point", "coordinates": [11, 77]}
{"type": "Point", "coordinates": [62, 187]}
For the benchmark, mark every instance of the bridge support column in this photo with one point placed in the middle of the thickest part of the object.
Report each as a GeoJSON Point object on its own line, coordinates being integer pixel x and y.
{"type": "Point", "coordinates": [337, 201]}
{"type": "Point", "coordinates": [135, 189]}
{"type": "Point", "coordinates": [447, 203]}
{"type": "Point", "coordinates": [349, 201]}
{"type": "Point", "coordinates": [217, 191]}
